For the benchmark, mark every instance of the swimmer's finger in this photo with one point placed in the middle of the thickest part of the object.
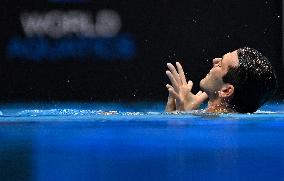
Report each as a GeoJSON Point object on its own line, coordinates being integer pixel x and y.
{"type": "Point", "coordinates": [199, 93]}
{"type": "Point", "coordinates": [169, 86]}
{"type": "Point", "coordinates": [174, 72]}
{"type": "Point", "coordinates": [170, 93]}
{"type": "Point", "coordinates": [203, 96]}
{"type": "Point", "coordinates": [173, 93]}
{"type": "Point", "coordinates": [172, 79]}
{"type": "Point", "coordinates": [181, 73]}
{"type": "Point", "coordinates": [190, 84]}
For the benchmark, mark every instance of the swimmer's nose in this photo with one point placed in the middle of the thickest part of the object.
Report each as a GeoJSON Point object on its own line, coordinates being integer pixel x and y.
{"type": "Point", "coordinates": [216, 61]}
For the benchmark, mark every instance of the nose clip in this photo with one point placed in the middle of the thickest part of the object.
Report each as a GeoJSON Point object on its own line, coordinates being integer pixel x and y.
{"type": "Point", "coordinates": [216, 61]}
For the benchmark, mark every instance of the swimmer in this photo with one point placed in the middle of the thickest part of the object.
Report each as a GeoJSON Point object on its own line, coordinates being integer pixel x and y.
{"type": "Point", "coordinates": [241, 81]}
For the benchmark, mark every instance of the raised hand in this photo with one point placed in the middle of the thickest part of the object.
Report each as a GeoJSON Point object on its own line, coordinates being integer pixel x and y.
{"type": "Point", "coordinates": [180, 90]}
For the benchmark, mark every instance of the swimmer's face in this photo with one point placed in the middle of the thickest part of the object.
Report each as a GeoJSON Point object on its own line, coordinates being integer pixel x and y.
{"type": "Point", "coordinates": [213, 81]}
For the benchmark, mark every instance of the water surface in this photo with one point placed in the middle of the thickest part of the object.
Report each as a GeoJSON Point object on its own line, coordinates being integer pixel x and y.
{"type": "Point", "coordinates": [138, 141]}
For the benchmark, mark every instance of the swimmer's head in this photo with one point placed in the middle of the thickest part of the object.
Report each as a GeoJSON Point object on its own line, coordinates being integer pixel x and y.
{"type": "Point", "coordinates": [254, 81]}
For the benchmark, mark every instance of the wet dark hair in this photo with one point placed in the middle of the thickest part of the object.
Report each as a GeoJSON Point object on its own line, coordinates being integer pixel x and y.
{"type": "Point", "coordinates": [254, 81]}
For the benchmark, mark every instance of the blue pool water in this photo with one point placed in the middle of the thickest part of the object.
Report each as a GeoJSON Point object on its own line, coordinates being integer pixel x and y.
{"type": "Point", "coordinates": [138, 141]}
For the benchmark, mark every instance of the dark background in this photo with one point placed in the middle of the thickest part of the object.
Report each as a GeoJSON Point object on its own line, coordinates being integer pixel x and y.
{"type": "Point", "coordinates": [192, 32]}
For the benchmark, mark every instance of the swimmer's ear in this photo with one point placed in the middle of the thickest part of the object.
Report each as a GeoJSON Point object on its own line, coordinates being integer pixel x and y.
{"type": "Point", "coordinates": [226, 91]}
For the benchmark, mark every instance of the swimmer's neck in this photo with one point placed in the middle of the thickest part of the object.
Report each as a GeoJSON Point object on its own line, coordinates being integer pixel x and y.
{"type": "Point", "coordinates": [219, 106]}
